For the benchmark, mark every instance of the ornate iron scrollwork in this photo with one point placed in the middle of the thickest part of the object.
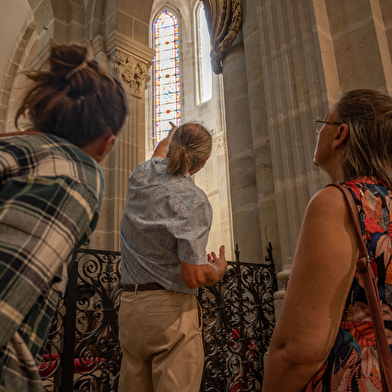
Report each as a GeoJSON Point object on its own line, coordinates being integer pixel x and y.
{"type": "Point", "coordinates": [97, 349]}
{"type": "Point", "coordinates": [83, 352]}
{"type": "Point", "coordinates": [238, 321]}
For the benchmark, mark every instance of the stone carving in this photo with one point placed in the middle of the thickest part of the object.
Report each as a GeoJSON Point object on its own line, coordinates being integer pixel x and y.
{"type": "Point", "coordinates": [220, 146]}
{"type": "Point", "coordinates": [224, 18]}
{"type": "Point", "coordinates": [130, 71]}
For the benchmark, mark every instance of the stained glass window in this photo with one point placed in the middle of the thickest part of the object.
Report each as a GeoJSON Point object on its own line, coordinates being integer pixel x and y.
{"type": "Point", "coordinates": [204, 47]}
{"type": "Point", "coordinates": [167, 74]}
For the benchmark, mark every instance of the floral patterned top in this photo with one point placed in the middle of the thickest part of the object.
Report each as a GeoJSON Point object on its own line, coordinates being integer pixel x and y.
{"type": "Point", "coordinates": [352, 364]}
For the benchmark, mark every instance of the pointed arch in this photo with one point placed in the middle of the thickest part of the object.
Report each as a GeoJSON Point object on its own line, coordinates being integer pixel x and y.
{"type": "Point", "coordinates": [51, 17]}
{"type": "Point", "coordinates": [25, 47]}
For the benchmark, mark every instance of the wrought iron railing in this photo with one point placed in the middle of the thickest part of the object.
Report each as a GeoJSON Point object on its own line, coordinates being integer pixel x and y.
{"type": "Point", "coordinates": [83, 352]}
{"type": "Point", "coordinates": [238, 320]}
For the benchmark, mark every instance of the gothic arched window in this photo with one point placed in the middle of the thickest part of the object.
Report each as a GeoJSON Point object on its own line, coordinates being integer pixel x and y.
{"type": "Point", "coordinates": [203, 57]}
{"type": "Point", "coordinates": [167, 74]}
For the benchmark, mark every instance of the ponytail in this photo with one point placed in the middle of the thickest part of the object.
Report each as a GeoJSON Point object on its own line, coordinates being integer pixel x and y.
{"type": "Point", "coordinates": [189, 146]}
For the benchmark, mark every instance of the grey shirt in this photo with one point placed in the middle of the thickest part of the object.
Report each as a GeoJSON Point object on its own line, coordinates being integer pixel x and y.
{"type": "Point", "coordinates": [166, 219]}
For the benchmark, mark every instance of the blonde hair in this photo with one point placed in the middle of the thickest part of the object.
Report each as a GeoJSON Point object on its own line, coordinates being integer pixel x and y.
{"type": "Point", "coordinates": [189, 146]}
{"type": "Point", "coordinates": [367, 151]}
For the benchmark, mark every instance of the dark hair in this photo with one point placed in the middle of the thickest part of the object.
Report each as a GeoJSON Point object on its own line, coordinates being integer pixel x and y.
{"type": "Point", "coordinates": [189, 146]}
{"type": "Point", "coordinates": [76, 99]}
{"type": "Point", "coordinates": [367, 151]}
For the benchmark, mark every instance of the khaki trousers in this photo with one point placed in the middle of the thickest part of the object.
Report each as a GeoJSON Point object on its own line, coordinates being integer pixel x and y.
{"type": "Point", "coordinates": [161, 338]}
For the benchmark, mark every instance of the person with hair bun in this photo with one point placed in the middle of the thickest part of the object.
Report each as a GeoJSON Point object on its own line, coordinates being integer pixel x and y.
{"type": "Point", "coordinates": [164, 233]}
{"type": "Point", "coordinates": [51, 190]}
{"type": "Point", "coordinates": [324, 339]}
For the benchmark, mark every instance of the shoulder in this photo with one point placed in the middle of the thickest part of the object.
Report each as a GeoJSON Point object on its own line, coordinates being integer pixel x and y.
{"type": "Point", "coordinates": [328, 200]}
{"type": "Point", "coordinates": [327, 212]}
{"type": "Point", "coordinates": [71, 161]}
{"type": "Point", "coordinates": [153, 165]}
{"type": "Point", "coordinates": [49, 156]}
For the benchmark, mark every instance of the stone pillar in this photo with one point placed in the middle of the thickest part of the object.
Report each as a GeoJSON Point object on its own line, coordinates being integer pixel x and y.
{"type": "Point", "coordinates": [295, 95]}
{"type": "Point", "coordinates": [266, 199]}
{"type": "Point", "coordinates": [311, 53]}
{"type": "Point", "coordinates": [356, 41]}
{"type": "Point", "coordinates": [243, 186]}
{"type": "Point", "coordinates": [130, 60]}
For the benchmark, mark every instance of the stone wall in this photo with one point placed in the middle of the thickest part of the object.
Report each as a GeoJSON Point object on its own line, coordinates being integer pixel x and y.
{"type": "Point", "coordinates": [294, 58]}
{"type": "Point", "coordinates": [290, 62]}
{"type": "Point", "coordinates": [214, 177]}
{"type": "Point", "coordinates": [118, 32]}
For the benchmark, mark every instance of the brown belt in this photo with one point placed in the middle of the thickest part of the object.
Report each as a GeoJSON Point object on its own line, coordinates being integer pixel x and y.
{"type": "Point", "coordinates": [143, 287]}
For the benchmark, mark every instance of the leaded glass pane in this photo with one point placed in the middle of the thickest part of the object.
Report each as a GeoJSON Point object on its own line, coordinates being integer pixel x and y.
{"type": "Point", "coordinates": [167, 74]}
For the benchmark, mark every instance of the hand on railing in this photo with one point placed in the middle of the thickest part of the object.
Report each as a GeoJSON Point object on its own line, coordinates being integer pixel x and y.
{"type": "Point", "coordinates": [220, 262]}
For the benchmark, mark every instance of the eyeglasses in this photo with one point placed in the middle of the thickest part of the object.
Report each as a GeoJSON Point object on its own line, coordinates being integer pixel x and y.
{"type": "Point", "coordinates": [318, 124]}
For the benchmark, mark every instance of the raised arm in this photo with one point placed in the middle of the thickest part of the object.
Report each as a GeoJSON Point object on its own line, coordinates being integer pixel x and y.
{"type": "Point", "coordinates": [321, 277]}
{"type": "Point", "coordinates": [204, 275]}
{"type": "Point", "coordinates": [162, 147]}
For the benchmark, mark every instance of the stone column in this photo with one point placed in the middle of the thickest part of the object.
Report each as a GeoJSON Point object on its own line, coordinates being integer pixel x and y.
{"type": "Point", "coordinates": [130, 60]}
{"type": "Point", "coordinates": [243, 186]}
{"type": "Point", "coordinates": [356, 41]}
{"type": "Point", "coordinates": [295, 95]}
{"type": "Point", "coordinates": [311, 53]}
{"type": "Point", "coordinates": [222, 215]}
{"type": "Point", "coordinates": [266, 198]}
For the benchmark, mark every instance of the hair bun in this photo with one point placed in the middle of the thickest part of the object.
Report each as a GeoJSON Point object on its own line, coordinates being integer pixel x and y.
{"type": "Point", "coordinates": [66, 60]}
{"type": "Point", "coordinates": [77, 99]}
{"type": "Point", "coordinates": [76, 69]}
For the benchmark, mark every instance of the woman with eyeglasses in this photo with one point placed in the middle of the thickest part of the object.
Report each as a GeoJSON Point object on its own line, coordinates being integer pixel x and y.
{"type": "Point", "coordinates": [324, 339]}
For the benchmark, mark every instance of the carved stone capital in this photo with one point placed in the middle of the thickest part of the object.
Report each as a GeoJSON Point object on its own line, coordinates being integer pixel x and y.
{"type": "Point", "coordinates": [120, 41]}
{"type": "Point", "coordinates": [224, 19]}
{"type": "Point", "coordinates": [131, 60]}
{"type": "Point", "coordinates": [131, 71]}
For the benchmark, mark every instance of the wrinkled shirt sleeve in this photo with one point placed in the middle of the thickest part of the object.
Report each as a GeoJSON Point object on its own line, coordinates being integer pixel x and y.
{"type": "Point", "coordinates": [192, 233]}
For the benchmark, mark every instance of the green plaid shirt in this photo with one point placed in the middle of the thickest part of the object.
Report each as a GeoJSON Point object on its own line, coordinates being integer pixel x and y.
{"type": "Point", "coordinates": [50, 197]}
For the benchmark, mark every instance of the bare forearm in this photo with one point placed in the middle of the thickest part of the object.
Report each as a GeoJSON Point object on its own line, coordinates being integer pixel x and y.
{"type": "Point", "coordinates": [163, 145]}
{"type": "Point", "coordinates": [161, 149]}
{"type": "Point", "coordinates": [207, 274]}
{"type": "Point", "coordinates": [212, 274]}
{"type": "Point", "coordinates": [283, 375]}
